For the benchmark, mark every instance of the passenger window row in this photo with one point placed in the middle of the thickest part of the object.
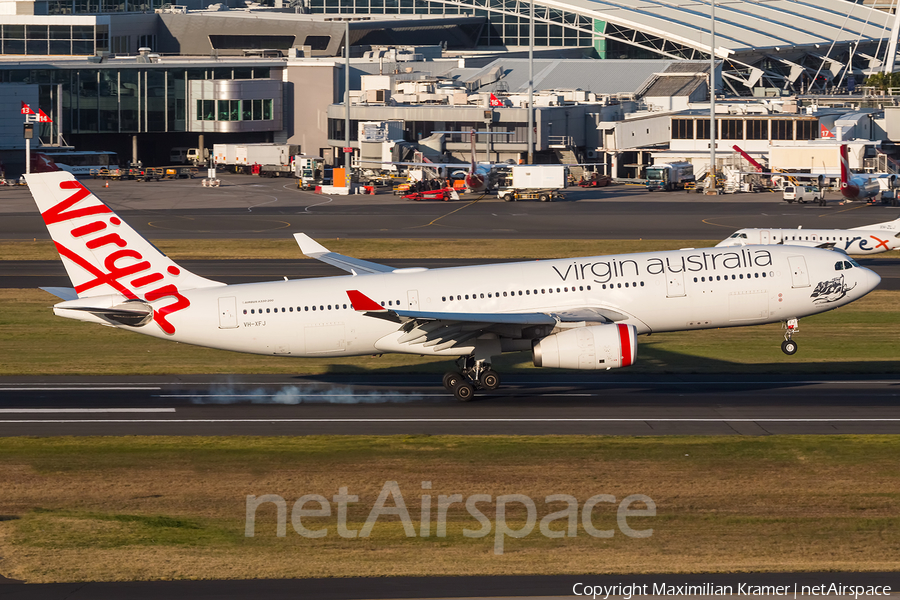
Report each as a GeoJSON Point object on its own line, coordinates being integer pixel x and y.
{"type": "Point", "coordinates": [580, 288]}
{"type": "Point", "coordinates": [733, 277]}
{"type": "Point", "coordinates": [254, 311]}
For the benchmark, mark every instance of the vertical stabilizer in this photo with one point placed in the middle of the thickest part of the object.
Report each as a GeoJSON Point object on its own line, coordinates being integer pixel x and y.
{"type": "Point", "coordinates": [102, 254]}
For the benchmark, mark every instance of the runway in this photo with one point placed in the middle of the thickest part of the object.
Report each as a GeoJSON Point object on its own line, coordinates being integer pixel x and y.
{"type": "Point", "coordinates": [525, 405]}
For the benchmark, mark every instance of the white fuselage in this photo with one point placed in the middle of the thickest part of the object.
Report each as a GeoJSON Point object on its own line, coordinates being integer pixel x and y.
{"type": "Point", "coordinates": [655, 292]}
{"type": "Point", "coordinates": [855, 242]}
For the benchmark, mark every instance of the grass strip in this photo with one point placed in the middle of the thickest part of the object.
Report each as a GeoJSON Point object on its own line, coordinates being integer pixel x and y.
{"type": "Point", "coordinates": [103, 509]}
{"type": "Point", "coordinates": [857, 338]}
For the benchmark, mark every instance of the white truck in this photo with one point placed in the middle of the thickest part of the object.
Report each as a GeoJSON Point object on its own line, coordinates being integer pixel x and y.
{"type": "Point", "coordinates": [225, 155]}
{"type": "Point", "coordinates": [669, 176]}
{"type": "Point", "coordinates": [269, 160]}
{"type": "Point", "coordinates": [534, 182]}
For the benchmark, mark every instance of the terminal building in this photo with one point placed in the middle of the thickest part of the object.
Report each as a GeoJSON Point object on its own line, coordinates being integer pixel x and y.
{"type": "Point", "coordinates": [139, 79]}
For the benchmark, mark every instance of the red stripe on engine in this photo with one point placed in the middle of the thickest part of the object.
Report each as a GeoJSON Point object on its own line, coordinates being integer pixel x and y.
{"type": "Point", "coordinates": [625, 342]}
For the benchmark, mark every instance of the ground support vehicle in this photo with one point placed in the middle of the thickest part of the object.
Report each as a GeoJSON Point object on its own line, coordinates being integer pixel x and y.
{"type": "Point", "coordinates": [151, 174]}
{"type": "Point", "coordinates": [595, 180]}
{"type": "Point", "coordinates": [801, 194]}
{"type": "Point", "coordinates": [402, 188]}
{"type": "Point", "coordinates": [670, 176]}
{"type": "Point", "coordinates": [275, 171]}
{"type": "Point", "coordinates": [512, 195]}
{"type": "Point", "coordinates": [444, 194]}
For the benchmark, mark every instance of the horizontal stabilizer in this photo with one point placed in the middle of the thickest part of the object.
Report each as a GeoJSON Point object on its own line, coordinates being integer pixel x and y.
{"type": "Point", "coordinates": [133, 313]}
{"type": "Point", "coordinates": [63, 293]}
{"type": "Point", "coordinates": [314, 249]}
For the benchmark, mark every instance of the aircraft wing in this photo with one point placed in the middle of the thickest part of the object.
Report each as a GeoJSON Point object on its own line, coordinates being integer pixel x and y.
{"type": "Point", "coordinates": [446, 329]}
{"type": "Point", "coordinates": [313, 249]}
{"type": "Point", "coordinates": [363, 303]}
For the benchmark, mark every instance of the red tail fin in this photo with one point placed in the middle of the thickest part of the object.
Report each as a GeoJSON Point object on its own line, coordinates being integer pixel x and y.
{"type": "Point", "coordinates": [845, 167]}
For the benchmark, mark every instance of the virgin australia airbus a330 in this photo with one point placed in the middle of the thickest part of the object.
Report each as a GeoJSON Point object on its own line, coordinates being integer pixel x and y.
{"type": "Point", "coordinates": [580, 313]}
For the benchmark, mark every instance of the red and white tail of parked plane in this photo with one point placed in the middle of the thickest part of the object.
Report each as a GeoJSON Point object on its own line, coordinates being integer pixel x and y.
{"type": "Point", "coordinates": [859, 186]}
{"type": "Point", "coordinates": [578, 313]}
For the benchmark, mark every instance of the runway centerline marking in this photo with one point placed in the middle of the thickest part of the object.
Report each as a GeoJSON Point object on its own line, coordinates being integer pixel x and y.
{"type": "Point", "coordinates": [8, 411]}
{"type": "Point", "coordinates": [80, 388]}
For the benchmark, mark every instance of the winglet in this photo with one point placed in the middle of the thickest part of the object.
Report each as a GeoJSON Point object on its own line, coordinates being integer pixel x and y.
{"type": "Point", "coordinates": [309, 246]}
{"type": "Point", "coordinates": [363, 303]}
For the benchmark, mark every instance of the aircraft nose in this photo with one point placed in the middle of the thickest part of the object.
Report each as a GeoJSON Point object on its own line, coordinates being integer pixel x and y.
{"type": "Point", "coordinates": [873, 279]}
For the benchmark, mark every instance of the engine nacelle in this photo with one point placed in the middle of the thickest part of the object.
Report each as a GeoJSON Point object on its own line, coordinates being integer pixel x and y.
{"type": "Point", "coordinates": [590, 348]}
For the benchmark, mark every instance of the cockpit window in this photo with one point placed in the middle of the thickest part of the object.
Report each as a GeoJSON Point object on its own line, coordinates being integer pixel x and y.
{"type": "Point", "coordinates": [852, 262]}
{"type": "Point", "coordinates": [842, 265]}
{"type": "Point", "coordinates": [839, 265]}
{"type": "Point", "coordinates": [739, 235]}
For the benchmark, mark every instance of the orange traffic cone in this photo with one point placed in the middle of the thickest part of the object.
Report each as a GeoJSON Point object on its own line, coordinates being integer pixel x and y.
{"type": "Point", "coordinates": [106, 184]}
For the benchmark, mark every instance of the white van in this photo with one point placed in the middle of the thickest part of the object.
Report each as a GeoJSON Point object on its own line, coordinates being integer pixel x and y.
{"type": "Point", "coordinates": [801, 193]}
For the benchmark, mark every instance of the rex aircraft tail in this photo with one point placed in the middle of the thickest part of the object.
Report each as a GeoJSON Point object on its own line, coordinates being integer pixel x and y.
{"type": "Point", "coordinates": [103, 255]}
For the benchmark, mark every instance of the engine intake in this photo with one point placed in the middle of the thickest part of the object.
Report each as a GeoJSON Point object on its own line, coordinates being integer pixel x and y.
{"type": "Point", "coordinates": [589, 348]}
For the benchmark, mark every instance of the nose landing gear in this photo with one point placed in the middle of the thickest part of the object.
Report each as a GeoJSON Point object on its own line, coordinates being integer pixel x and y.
{"type": "Point", "coordinates": [789, 346]}
{"type": "Point", "coordinates": [473, 374]}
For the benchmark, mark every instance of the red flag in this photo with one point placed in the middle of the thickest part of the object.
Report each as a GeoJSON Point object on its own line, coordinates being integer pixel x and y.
{"type": "Point", "coordinates": [495, 101]}
{"type": "Point", "coordinates": [43, 118]}
{"type": "Point", "coordinates": [26, 110]}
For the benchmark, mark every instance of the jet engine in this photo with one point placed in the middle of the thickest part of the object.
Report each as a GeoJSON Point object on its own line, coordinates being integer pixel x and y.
{"type": "Point", "coordinates": [590, 348]}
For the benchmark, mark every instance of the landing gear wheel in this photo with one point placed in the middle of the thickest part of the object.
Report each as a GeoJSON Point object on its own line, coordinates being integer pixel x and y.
{"type": "Point", "coordinates": [789, 347]}
{"type": "Point", "coordinates": [451, 378]}
{"type": "Point", "coordinates": [463, 391]}
{"type": "Point", "coordinates": [489, 380]}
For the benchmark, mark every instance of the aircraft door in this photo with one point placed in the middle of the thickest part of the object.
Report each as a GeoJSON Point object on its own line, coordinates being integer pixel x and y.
{"type": "Point", "coordinates": [412, 296]}
{"type": "Point", "coordinates": [799, 274]}
{"type": "Point", "coordinates": [675, 285]}
{"type": "Point", "coordinates": [764, 236]}
{"type": "Point", "coordinates": [228, 313]}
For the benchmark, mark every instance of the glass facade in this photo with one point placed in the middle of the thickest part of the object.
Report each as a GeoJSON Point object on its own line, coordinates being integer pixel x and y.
{"type": "Point", "coordinates": [746, 129]}
{"type": "Point", "coordinates": [507, 19]}
{"type": "Point", "coordinates": [86, 7]}
{"type": "Point", "coordinates": [133, 100]}
{"type": "Point", "coordinates": [235, 110]}
{"type": "Point", "coordinates": [58, 40]}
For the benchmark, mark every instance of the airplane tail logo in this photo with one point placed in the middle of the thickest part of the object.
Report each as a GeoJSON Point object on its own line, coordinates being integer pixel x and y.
{"type": "Point", "coordinates": [103, 255]}
{"type": "Point", "coordinates": [41, 163]}
{"type": "Point", "coordinates": [848, 190]}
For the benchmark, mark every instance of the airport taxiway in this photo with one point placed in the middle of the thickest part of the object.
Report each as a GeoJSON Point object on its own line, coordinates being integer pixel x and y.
{"type": "Point", "coordinates": [249, 207]}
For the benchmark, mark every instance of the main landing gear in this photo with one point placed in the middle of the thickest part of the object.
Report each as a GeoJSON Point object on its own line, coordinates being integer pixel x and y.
{"type": "Point", "coordinates": [473, 374]}
{"type": "Point", "coordinates": [789, 346]}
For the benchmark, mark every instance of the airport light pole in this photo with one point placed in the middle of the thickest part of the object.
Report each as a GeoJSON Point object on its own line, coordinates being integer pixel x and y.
{"type": "Point", "coordinates": [531, 84]}
{"type": "Point", "coordinates": [348, 156]}
{"type": "Point", "coordinates": [711, 182]}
